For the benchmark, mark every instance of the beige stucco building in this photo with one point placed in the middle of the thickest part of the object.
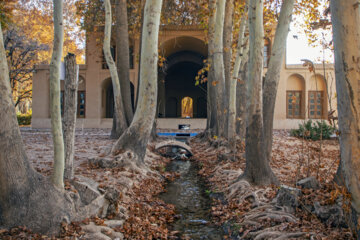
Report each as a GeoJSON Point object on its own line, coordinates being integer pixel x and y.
{"type": "Point", "coordinates": [300, 94]}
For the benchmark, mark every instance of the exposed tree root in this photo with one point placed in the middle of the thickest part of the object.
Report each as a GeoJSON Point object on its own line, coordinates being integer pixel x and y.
{"type": "Point", "coordinates": [278, 235]}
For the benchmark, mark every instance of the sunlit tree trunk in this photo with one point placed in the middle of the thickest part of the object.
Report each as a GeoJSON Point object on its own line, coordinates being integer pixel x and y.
{"type": "Point", "coordinates": [227, 39]}
{"type": "Point", "coordinates": [219, 71]}
{"type": "Point", "coordinates": [120, 119]}
{"type": "Point", "coordinates": [257, 169]}
{"type": "Point", "coordinates": [211, 94]}
{"type": "Point", "coordinates": [55, 111]}
{"type": "Point", "coordinates": [346, 35]}
{"type": "Point", "coordinates": [231, 130]}
{"type": "Point", "coordinates": [70, 109]}
{"type": "Point", "coordinates": [26, 197]}
{"type": "Point", "coordinates": [272, 76]}
{"type": "Point", "coordinates": [137, 136]}
{"type": "Point", "coordinates": [241, 95]}
{"type": "Point", "coordinates": [122, 55]}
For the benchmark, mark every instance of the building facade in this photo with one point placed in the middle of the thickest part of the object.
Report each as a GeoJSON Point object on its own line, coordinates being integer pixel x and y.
{"type": "Point", "coordinates": [301, 94]}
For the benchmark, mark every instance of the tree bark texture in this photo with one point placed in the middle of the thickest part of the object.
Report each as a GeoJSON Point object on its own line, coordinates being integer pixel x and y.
{"type": "Point", "coordinates": [211, 93]}
{"type": "Point", "coordinates": [227, 40]}
{"type": "Point", "coordinates": [120, 119]}
{"type": "Point", "coordinates": [346, 35]}
{"type": "Point", "coordinates": [122, 55]}
{"type": "Point", "coordinates": [219, 71]}
{"type": "Point", "coordinates": [272, 76]}
{"type": "Point", "coordinates": [137, 136]}
{"type": "Point", "coordinates": [231, 130]}
{"type": "Point", "coordinates": [257, 169]}
{"type": "Point", "coordinates": [70, 109]}
{"type": "Point", "coordinates": [26, 197]}
{"type": "Point", "coordinates": [241, 96]}
{"type": "Point", "coordinates": [55, 111]}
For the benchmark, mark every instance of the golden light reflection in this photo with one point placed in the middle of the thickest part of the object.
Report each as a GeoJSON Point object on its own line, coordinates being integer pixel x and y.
{"type": "Point", "coordinates": [187, 107]}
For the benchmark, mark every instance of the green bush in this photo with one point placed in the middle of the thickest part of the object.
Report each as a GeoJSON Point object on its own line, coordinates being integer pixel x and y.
{"type": "Point", "coordinates": [24, 119]}
{"type": "Point", "coordinates": [313, 130]}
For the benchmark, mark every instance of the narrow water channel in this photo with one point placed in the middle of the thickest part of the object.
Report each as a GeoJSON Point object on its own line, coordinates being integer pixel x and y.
{"type": "Point", "coordinates": [188, 194]}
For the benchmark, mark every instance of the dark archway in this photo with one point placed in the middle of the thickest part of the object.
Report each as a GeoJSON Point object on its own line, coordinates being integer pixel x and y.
{"type": "Point", "coordinates": [172, 107]}
{"type": "Point", "coordinates": [109, 110]}
{"type": "Point", "coordinates": [201, 107]}
{"type": "Point", "coordinates": [179, 74]}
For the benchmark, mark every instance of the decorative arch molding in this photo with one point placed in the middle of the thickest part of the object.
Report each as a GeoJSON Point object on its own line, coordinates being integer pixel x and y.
{"type": "Point", "coordinates": [317, 82]}
{"type": "Point", "coordinates": [295, 96]}
{"type": "Point", "coordinates": [183, 43]}
{"type": "Point", "coordinates": [107, 98]}
{"type": "Point", "coordinates": [296, 81]}
{"type": "Point", "coordinates": [184, 56]}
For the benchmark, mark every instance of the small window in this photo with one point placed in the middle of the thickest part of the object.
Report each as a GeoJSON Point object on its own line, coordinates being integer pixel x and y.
{"type": "Point", "coordinates": [62, 102]}
{"type": "Point", "coordinates": [80, 111]}
{"type": "Point", "coordinates": [316, 104]}
{"type": "Point", "coordinates": [81, 104]}
{"type": "Point", "coordinates": [293, 104]}
{"type": "Point", "coordinates": [266, 54]}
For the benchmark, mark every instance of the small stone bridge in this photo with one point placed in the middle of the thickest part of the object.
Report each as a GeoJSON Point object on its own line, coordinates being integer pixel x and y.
{"type": "Point", "coordinates": [174, 143]}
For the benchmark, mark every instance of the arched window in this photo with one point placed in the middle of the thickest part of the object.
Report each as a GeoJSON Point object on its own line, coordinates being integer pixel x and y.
{"type": "Point", "coordinates": [295, 91]}
{"type": "Point", "coordinates": [317, 97]}
{"type": "Point", "coordinates": [187, 109]}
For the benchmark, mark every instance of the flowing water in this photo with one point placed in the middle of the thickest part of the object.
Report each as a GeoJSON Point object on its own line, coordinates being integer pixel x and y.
{"type": "Point", "coordinates": [188, 194]}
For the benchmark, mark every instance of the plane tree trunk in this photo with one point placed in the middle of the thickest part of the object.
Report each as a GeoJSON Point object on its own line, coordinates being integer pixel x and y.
{"type": "Point", "coordinates": [231, 130]}
{"type": "Point", "coordinates": [219, 72]}
{"type": "Point", "coordinates": [122, 55]}
{"type": "Point", "coordinates": [70, 109]}
{"type": "Point", "coordinates": [211, 94]}
{"type": "Point", "coordinates": [119, 116]}
{"type": "Point", "coordinates": [346, 35]}
{"type": "Point", "coordinates": [227, 39]}
{"type": "Point", "coordinates": [272, 76]}
{"type": "Point", "coordinates": [55, 111]}
{"type": "Point", "coordinates": [26, 197]}
{"type": "Point", "coordinates": [135, 139]}
{"type": "Point", "coordinates": [257, 170]}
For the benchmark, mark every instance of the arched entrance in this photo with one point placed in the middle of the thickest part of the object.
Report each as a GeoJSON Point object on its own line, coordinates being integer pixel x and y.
{"type": "Point", "coordinates": [178, 95]}
{"type": "Point", "coordinates": [108, 97]}
{"type": "Point", "coordinates": [179, 82]}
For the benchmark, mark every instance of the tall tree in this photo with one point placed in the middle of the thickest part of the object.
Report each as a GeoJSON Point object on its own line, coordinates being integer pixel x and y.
{"type": "Point", "coordinates": [21, 53]}
{"type": "Point", "coordinates": [257, 169]}
{"type": "Point", "coordinates": [272, 76]}
{"type": "Point", "coordinates": [119, 116]}
{"type": "Point", "coordinates": [56, 125]}
{"type": "Point", "coordinates": [231, 126]}
{"type": "Point", "coordinates": [211, 106]}
{"type": "Point", "coordinates": [218, 69]}
{"type": "Point", "coordinates": [345, 17]}
{"type": "Point", "coordinates": [227, 42]}
{"type": "Point", "coordinates": [122, 55]}
{"type": "Point", "coordinates": [136, 137]}
{"type": "Point", "coordinates": [26, 197]}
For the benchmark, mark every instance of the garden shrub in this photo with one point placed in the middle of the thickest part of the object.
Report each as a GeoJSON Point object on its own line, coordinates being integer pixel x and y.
{"type": "Point", "coordinates": [313, 130]}
{"type": "Point", "coordinates": [24, 119]}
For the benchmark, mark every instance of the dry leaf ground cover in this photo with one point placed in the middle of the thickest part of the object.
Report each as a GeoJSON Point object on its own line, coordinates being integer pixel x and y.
{"type": "Point", "coordinates": [145, 216]}
{"type": "Point", "coordinates": [249, 212]}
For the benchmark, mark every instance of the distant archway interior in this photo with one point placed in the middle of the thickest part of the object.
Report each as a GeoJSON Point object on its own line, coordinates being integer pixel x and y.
{"type": "Point", "coordinates": [181, 96]}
